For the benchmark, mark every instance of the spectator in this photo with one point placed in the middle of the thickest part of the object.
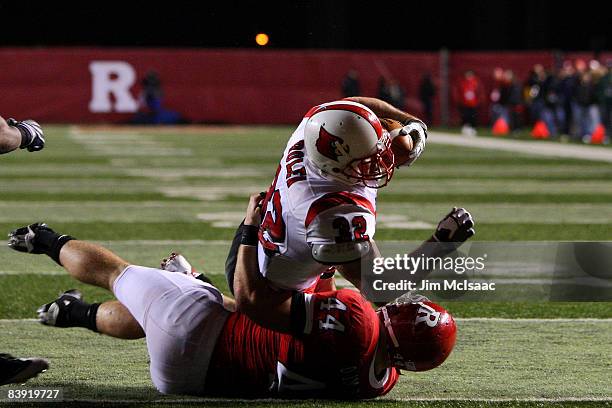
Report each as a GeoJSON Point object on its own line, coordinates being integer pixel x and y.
{"type": "Point", "coordinates": [350, 84]}
{"type": "Point", "coordinates": [498, 110]}
{"type": "Point", "coordinates": [575, 99]}
{"type": "Point", "coordinates": [580, 70]}
{"type": "Point", "coordinates": [586, 106]}
{"type": "Point", "coordinates": [604, 96]}
{"type": "Point", "coordinates": [391, 92]}
{"type": "Point", "coordinates": [512, 99]}
{"type": "Point", "coordinates": [396, 94]}
{"type": "Point", "coordinates": [151, 91]}
{"type": "Point", "coordinates": [151, 97]}
{"type": "Point", "coordinates": [383, 90]}
{"type": "Point", "coordinates": [427, 91]}
{"type": "Point", "coordinates": [469, 98]}
{"type": "Point", "coordinates": [535, 93]}
{"type": "Point", "coordinates": [551, 112]}
{"type": "Point", "coordinates": [565, 90]}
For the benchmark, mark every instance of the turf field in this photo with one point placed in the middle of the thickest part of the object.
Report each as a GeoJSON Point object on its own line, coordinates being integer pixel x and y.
{"type": "Point", "coordinates": [145, 192]}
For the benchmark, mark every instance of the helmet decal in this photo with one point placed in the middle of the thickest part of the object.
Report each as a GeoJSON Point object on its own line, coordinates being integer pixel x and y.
{"type": "Point", "coordinates": [331, 146]}
{"type": "Point", "coordinates": [431, 317]}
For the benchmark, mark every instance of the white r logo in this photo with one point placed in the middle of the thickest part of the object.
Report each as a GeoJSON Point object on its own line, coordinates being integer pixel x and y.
{"type": "Point", "coordinates": [431, 317]}
{"type": "Point", "coordinates": [112, 78]}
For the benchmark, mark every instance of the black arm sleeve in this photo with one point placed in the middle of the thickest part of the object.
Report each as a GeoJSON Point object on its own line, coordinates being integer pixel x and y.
{"type": "Point", "coordinates": [298, 313]}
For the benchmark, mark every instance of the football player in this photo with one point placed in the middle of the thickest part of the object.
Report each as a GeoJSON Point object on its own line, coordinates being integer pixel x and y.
{"type": "Point", "coordinates": [328, 344]}
{"type": "Point", "coordinates": [25, 134]}
{"type": "Point", "coordinates": [320, 210]}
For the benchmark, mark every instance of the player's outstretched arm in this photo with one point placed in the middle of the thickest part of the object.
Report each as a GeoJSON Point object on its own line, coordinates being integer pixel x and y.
{"type": "Point", "coordinates": [383, 109]}
{"type": "Point", "coordinates": [265, 305]}
{"type": "Point", "coordinates": [452, 231]}
{"type": "Point", "coordinates": [25, 134]}
{"type": "Point", "coordinates": [10, 138]}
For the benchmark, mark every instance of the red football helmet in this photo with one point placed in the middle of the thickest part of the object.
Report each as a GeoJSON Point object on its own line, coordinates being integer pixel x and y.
{"type": "Point", "coordinates": [346, 141]}
{"type": "Point", "coordinates": [420, 334]}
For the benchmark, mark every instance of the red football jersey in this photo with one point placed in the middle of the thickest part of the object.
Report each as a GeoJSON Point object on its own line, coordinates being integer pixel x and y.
{"type": "Point", "coordinates": [333, 359]}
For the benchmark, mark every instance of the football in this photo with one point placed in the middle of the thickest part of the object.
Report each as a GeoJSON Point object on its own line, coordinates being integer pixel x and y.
{"type": "Point", "coordinates": [401, 145]}
{"type": "Point", "coordinates": [390, 124]}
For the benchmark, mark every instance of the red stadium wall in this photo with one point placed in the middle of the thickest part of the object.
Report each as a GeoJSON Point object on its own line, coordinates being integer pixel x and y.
{"type": "Point", "coordinates": [220, 86]}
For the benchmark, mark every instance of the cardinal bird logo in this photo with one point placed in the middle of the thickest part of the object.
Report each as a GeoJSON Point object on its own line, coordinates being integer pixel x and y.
{"type": "Point", "coordinates": [331, 146]}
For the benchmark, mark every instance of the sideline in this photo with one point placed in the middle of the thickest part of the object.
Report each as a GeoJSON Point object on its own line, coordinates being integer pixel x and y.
{"type": "Point", "coordinates": [549, 149]}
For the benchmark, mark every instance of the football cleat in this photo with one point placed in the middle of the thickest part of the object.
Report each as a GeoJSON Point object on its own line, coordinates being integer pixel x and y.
{"type": "Point", "coordinates": [32, 134]}
{"type": "Point", "coordinates": [19, 370]}
{"type": "Point", "coordinates": [24, 239]}
{"type": "Point", "coordinates": [57, 313]}
{"type": "Point", "coordinates": [176, 262]}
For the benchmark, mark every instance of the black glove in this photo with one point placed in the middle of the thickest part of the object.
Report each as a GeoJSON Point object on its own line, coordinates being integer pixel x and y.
{"type": "Point", "coordinates": [456, 226]}
{"type": "Point", "coordinates": [32, 136]}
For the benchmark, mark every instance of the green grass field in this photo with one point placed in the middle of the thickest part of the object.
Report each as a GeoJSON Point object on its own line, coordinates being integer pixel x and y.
{"type": "Point", "coordinates": [146, 192]}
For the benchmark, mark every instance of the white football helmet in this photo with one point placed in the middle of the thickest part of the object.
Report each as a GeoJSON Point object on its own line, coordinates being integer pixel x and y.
{"type": "Point", "coordinates": [346, 141]}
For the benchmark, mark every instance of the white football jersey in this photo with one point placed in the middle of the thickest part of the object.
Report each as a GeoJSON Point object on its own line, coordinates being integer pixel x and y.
{"type": "Point", "coordinates": [303, 208]}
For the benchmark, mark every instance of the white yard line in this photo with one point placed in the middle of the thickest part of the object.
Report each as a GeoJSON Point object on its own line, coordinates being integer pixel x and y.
{"type": "Point", "coordinates": [533, 320]}
{"type": "Point", "coordinates": [41, 273]}
{"type": "Point", "coordinates": [18, 320]}
{"type": "Point", "coordinates": [538, 148]}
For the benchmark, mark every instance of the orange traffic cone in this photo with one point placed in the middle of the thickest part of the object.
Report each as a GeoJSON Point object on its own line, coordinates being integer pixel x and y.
{"type": "Point", "coordinates": [500, 127]}
{"type": "Point", "coordinates": [540, 130]}
{"type": "Point", "coordinates": [599, 134]}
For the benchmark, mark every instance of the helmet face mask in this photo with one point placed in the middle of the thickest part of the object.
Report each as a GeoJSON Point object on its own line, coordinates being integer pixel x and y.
{"type": "Point", "coordinates": [346, 141]}
{"type": "Point", "coordinates": [374, 171]}
{"type": "Point", "coordinates": [420, 334]}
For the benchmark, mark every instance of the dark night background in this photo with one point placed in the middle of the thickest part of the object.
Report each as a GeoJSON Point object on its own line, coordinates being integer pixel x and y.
{"type": "Point", "coordinates": [402, 25]}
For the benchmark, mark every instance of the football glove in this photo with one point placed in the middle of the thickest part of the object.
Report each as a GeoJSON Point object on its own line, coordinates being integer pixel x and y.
{"type": "Point", "coordinates": [456, 226]}
{"type": "Point", "coordinates": [32, 136]}
{"type": "Point", "coordinates": [418, 131]}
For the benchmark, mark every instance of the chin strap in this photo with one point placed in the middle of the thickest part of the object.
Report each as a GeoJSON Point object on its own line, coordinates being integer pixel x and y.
{"type": "Point", "coordinates": [388, 326]}
{"type": "Point", "coordinates": [396, 357]}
